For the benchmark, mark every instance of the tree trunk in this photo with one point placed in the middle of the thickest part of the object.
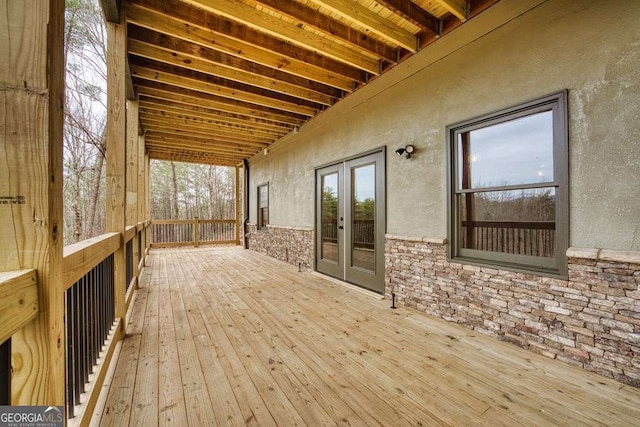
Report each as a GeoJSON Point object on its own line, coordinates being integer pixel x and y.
{"type": "Point", "coordinates": [94, 228]}
{"type": "Point", "coordinates": [175, 212]}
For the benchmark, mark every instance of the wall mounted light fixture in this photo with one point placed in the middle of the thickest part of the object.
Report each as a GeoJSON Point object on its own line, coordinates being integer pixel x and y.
{"type": "Point", "coordinates": [407, 150]}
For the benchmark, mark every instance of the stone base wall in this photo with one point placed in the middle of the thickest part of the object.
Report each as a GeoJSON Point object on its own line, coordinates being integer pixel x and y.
{"type": "Point", "coordinates": [290, 244]}
{"type": "Point", "coordinates": [591, 320]}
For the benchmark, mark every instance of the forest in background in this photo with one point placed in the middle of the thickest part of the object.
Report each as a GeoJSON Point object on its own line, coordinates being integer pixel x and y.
{"type": "Point", "coordinates": [187, 191]}
{"type": "Point", "coordinates": [178, 190]}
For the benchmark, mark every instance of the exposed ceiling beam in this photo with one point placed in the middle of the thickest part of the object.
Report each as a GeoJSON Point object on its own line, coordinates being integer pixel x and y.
{"type": "Point", "coordinates": [291, 33]}
{"type": "Point", "coordinates": [167, 136]}
{"type": "Point", "coordinates": [211, 148]}
{"type": "Point", "coordinates": [309, 16]}
{"type": "Point", "coordinates": [189, 119]}
{"type": "Point", "coordinates": [457, 7]}
{"type": "Point", "coordinates": [151, 104]}
{"type": "Point", "coordinates": [203, 63]}
{"type": "Point", "coordinates": [160, 126]}
{"type": "Point", "coordinates": [212, 128]}
{"type": "Point", "coordinates": [187, 23]}
{"type": "Point", "coordinates": [204, 83]}
{"type": "Point", "coordinates": [186, 157]}
{"type": "Point", "coordinates": [201, 99]}
{"type": "Point", "coordinates": [411, 12]}
{"type": "Point", "coordinates": [375, 23]}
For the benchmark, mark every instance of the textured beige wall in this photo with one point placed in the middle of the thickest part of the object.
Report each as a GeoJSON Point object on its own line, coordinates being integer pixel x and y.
{"type": "Point", "coordinates": [516, 51]}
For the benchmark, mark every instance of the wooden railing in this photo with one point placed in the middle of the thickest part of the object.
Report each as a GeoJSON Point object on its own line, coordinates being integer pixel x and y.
{"type": "Point", "coordinates": [535, 238]}
{"type": "Point", "coordinates": [91, 305]}
{"type": "Point", "coordinates": [18, 307]}
{"type": "Point", "coordinates": [193, 232]}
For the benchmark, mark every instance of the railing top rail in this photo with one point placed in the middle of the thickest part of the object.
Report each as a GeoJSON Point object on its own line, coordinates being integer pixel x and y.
{"type": "Point", "coordinates": [193, 221]}
{"type": "Point", "coordinates": [172, 221]}
{"type": "Point", "coordinates": [18, 301]}
{"type": "Point", "coordinates": [129, 232]}
{"type": "Point", "coordinates": [81, 257]}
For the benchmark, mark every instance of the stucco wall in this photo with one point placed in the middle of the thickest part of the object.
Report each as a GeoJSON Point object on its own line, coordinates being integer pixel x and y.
{"type": "Point", "coordinates": [516, 51]}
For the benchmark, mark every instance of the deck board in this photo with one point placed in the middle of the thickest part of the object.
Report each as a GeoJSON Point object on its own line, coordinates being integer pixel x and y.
{"type": "Point", "coordinates": [224, 336]}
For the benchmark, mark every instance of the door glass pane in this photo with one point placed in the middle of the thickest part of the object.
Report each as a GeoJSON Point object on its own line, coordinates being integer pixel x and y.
{"type": "Point", "coordinates": [515, 152]}
{"type": "Point", "coordinates": [329, 217]}
{"type": "Point", "coordinates": [518, 222]}
{"type": "Point", "coordinates": [364, 216]}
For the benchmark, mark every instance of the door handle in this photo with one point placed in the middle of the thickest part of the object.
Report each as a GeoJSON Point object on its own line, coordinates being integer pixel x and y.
{"type": "Point", "coordinates": [341, 227]}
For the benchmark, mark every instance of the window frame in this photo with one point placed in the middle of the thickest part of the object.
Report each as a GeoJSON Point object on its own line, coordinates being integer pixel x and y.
{"type": "Point", "coordinates": [259, 215]}
{"type": "Point", "coordinates": [556, 266]}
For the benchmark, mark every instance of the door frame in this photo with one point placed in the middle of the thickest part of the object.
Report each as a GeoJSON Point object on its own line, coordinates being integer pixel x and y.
{"type": "Point", "coordinates": [381, 217]}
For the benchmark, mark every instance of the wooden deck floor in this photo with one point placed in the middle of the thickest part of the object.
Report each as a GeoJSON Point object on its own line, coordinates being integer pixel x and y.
{"type": "Point", "coordinates": [223, 336]}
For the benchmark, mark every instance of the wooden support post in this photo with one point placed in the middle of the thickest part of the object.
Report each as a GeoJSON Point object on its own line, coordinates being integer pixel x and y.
{"type": "Point", "coordinates": [116, 142]}
{"type": "Point", "coordinates": [147, 191]}
{"type": "Point", "coordinates": [237, 184]}
{"type": "Point", "coordinates": [132, 176]}
{"type": "Point", "coordinates": [196, 232]}
{"type": "Point", "coordinates": [142, 195]}
{"type": "Point", "coordinates": [31, 218]}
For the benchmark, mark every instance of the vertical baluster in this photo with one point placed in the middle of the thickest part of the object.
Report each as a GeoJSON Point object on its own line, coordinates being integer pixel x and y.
{"type": "Point", "coordinates": [101, 319]}
{"type": "Point", "coordinates": [82, 323]}
{"type": "Point", "coordinates": [112, 290]}
{"type": "Point", "coordinates": [75, 318]}
{"type": "Point", "coordinates": [5, 368]}
{"type": "Point", "coordinates": [92, 323]}
{"type": "Point", "coordinates": [70, 372]}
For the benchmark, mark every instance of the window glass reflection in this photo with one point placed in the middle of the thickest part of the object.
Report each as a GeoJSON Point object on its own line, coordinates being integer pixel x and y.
{"type": "Point", "coordinates": [516, 152]}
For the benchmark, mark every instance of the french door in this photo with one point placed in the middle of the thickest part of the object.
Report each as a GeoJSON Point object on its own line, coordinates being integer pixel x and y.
{"type": "Point", "coordinates": [350, 220]}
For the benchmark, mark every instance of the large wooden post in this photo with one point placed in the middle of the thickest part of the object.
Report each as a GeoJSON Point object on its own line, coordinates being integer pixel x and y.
{"type": "Point", "coordinates": [147, 201]}
{"type": "Point", "coordinates": [132, 163]}
{"type": "Point", "coordinates": [116, 155]}
{"type": "Point", "coordinates": [31, 223]}
{"type": "Point", "coordinates": [142, 196]}
{"type": "Point", "coordinates": [142, 193]}
{"type": "Point", "coordinates": [132, 175]}
{"type": "Point", "coordinates": [237, 191]}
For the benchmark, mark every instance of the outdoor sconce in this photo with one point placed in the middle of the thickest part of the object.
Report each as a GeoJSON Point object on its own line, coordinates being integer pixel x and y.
{"type": "Point", "coordinates": [406, 151]}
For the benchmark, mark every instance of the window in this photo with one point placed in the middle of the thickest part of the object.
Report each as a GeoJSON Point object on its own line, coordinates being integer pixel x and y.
{"type": "Point", "coordinates": [508, 187]}
{"type": "Point", "coordinates": [263, 206]}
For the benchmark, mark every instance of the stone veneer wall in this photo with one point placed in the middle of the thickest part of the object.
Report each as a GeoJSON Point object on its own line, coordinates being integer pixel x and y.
{"type": "Point", "coordinates": [290, 244]}
{"type": "Point", "coordinates": [591, 320]}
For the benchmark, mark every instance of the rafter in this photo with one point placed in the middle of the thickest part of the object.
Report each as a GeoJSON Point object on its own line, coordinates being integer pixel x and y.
{"type": "Point", "coordinates": [187, 157]}
{"type": "Point", "coordinates": [151, 105]}
{"type": "Point", "coordinates": [211, 148]}
{"type": "Point", "coordinates": [171, 137]}
{"type": "Point", "coordinates": [158, 126]}
{"type": "Point", "coordinates": [209, 84]}
{"type": "Point", "coordinates": [187, 119]}
{"type": "Point", "coordinates": [213, 128]}
{"type": "Point", "coordinates": [202, 63]}
{"type": "Point", "coordinates": [411, 12]}
{"type": "Point", "coordinates": [309, 16]}
{"type": "Point", "coordinates": [198, 26]}
{"type": "Point", "coordinates": [291, 33]}
{"type": "Point", "coordinates": [202, 99]}
{"type": "Point", "coordinates": [456, 7]}
{"type": "Point", "coordinates": [375, 23]}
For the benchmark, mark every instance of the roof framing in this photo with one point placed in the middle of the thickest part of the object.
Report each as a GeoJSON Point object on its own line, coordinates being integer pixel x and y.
{"type": "Point", "coordinates": [220, 80]}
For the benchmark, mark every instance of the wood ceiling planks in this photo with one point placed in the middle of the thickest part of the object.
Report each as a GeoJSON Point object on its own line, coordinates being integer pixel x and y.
{"type": "Point", "coordinates": [219, 80]}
